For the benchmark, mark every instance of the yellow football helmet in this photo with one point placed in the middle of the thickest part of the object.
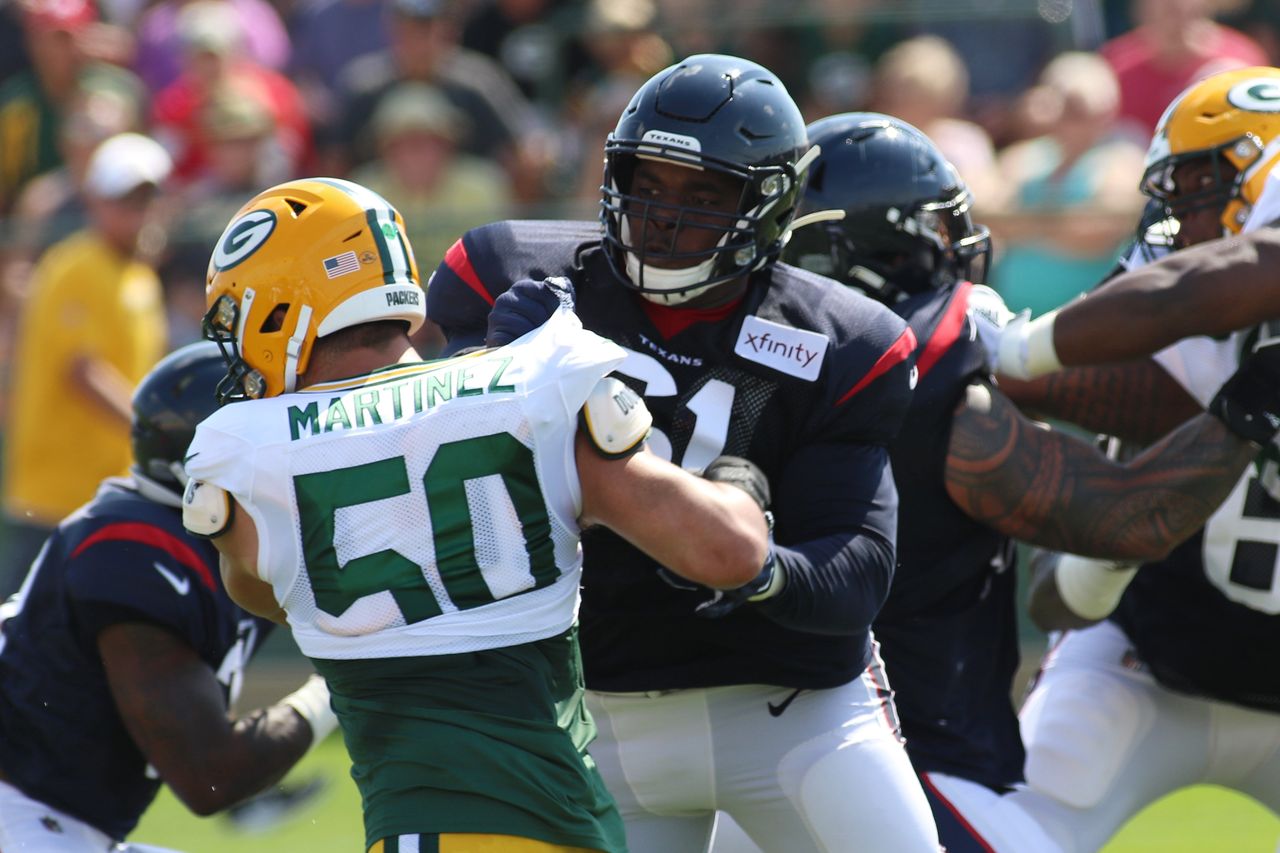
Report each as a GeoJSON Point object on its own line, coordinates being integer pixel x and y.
{"type": "Point", "coordinates": [1233, 116]}
{"type": "Point", "coordinates": [298, 262]}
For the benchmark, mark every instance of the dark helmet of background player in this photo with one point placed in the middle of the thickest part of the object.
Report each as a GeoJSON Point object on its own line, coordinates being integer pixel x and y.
{"type": "Point", "coordinates": [906, 225]}
{"type": "Point", "coordinates": [712, 112]}
{"type": "Point", "coordinates": [176, 395]}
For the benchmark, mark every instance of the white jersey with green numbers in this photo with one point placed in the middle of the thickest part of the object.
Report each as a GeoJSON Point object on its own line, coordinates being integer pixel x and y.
{"type": "Point", "coordinates": [422, 509]}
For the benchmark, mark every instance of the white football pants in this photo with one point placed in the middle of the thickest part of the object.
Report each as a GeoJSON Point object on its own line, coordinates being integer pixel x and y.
{"type": "Point", "coordinates": [1104, 740]}
{"type": "Point", "coordinates": [824, 770]}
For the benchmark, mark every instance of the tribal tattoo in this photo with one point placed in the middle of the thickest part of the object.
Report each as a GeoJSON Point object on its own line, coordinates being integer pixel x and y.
{"type": "Point", "coordinates": [1054, 490]}
{"type": "Point", "coordinates": [1136, 401]}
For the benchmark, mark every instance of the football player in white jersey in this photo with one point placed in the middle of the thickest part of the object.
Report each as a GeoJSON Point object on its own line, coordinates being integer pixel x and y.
{"type": "Point", "coordinates": [417, 523]}
{"type": "Point", "coordinates": [1178, 685]}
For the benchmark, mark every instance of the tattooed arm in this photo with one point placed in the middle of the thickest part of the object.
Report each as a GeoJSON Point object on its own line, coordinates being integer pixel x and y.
{"type": "Point", "coordinates": [1136, 401]}
{"type": "Point", "coordinates": [1052, 490]}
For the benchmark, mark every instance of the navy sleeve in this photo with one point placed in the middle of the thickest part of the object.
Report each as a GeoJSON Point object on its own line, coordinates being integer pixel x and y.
{"type": "Point", "coordinates": [457, 301]}
{"type": "Point", "coordinates": [136, 572]}
{"type": "Point", "coordinates": [836, 510]}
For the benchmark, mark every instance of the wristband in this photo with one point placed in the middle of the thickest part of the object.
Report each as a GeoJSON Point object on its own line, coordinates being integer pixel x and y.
{"type": "Point", "coordinates": [311, 701]}
{"type": "Point", "coordinates": [1091, 589]}
{"type": "Point", "coordinates": [1026, 348]}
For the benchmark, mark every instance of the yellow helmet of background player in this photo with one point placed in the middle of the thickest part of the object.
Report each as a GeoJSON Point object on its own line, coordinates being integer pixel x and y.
{"type": "Point", "coordinates": [298, 262]}
{"type": "Point", "coordinates": [1232, 116]}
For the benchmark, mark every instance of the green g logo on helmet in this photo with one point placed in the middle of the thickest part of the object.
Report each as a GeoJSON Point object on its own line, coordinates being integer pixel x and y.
{"type": "Point", "coordinates": [1259, 95]}
{"type": "Point", "coordinates": [242, 238]}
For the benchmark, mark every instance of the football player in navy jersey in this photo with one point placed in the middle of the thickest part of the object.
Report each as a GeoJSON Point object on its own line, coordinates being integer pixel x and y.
{"type": "Point", "coordinates": [973, 472]}
{"type": "Point", "coordinates": [121, 653]}
{"type": "Point", "coordinates": [768, 702]}
{"type": "Point", "coordinates": [1178, 684]}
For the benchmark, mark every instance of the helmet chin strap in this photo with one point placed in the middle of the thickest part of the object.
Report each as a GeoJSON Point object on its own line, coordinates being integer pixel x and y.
{"type": "Point", "coordinates": [294, 348]}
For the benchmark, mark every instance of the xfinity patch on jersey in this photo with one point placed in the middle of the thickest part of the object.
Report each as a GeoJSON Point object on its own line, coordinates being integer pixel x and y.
{"type": "Point", "coordinates": [793, 351]}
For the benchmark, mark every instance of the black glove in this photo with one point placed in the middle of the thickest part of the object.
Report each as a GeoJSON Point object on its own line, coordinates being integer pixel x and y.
{"type": "Point", "coordinates": [525, 306]}
{"type": "Point", "coordinates": [1249, 402]}
{"type": "Point", "coordinates": [744, 474]}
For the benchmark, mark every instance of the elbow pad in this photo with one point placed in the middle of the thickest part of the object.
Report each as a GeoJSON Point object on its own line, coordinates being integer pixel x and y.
{"type": "Point", "coordinates": [615, 419]}
{"type": "Point", "coordinates": [206, 509]}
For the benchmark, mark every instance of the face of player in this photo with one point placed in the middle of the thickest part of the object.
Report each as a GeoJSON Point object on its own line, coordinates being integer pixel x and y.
{"type": "Point", "coordinates": [686, 211]}
{"type": "Point", "coordinates": [1202, 221]}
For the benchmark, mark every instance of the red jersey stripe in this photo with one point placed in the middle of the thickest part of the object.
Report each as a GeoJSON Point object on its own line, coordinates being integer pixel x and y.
{"type": "Point", "coordinates": [894, 355]}
{"type": "Point", "coordinates": [948, 330]}
{"type": "Point", "coordinates": [456, 259]}
{"type": "Point", "coordinates": [145, 534]}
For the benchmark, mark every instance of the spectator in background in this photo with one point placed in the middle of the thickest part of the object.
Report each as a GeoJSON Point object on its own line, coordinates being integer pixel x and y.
{"type": "Point", "coordinates": [329, 35]}
{"type": "Point", "coordinates": [501, 124]}
{"type": "Point", "coordinates": [625, 50]}
{"type": "Point", "coordinates": [441, 191]}
{"type": "Point", "coordinates": [213, 43]}
{"type": "Point", "coordinates": [244, 153]}
{"type": "Point", "coordinates": [161, 48]}
{"type": "Point", "coordinates": [528, 39]}
{"type": "Point", "coordinates": [1069, 195]}
{"type": "Point", "coordinates": [1173, 44]}
{"type": "Point", "coordinates": [924, 82]}
{"type": "Point", "coordinates": [50, 206]}
{"type": "Point", "coordinates": [33, 101]}
{"type": "Point", "coordinates": [92, 327]}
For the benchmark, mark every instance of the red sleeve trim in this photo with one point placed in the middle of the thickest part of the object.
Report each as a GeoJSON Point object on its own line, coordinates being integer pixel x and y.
{"type": "Point", "coordinates": [456, 259]}
{"type": "Point", "coordinates": [948, 330]}
{"type": "Point", "coordinates": [145, 534]}
{"type": "Point", "coordinates": [893, 356]}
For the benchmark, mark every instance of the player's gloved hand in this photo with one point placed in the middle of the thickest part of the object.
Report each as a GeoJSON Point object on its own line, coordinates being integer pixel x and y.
{"type": "Point", "coordinates": [989, 315]}
{"type": "Point", "coordinates": [1249, 402]}
{"type": "Point", "coordinates": [525, 306]}
{"type": "Point", "coordinates": [745, 475]}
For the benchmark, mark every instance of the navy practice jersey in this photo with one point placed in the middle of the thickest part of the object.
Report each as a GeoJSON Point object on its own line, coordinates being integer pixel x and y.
{"type": "Point", "coordinates": [1217, 637]}
{"type": "Point", "coordinates": [948, 632]}
{"type": "Point", "coordinates": [120, 558]}
{"type": "Point", "coordinates": [806, 378]}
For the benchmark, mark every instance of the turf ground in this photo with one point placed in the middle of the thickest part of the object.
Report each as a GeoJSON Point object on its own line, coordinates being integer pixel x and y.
{"type": "Point", "coordinates": [1197, 820]}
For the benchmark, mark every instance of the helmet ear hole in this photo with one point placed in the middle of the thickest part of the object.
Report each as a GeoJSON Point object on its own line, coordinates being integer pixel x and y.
{"type": "Point", "coordinates": [275, 320]}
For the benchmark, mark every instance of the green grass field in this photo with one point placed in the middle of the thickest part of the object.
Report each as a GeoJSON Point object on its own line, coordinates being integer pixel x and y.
{"type": "Point", "coordinates": [1197, 820]}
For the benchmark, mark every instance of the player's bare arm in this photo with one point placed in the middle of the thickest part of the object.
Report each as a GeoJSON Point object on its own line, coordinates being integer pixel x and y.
{"type": "Point", "coordinates": [1135, 400]}
{"type": "Point", "coordinates": [238, 550]}
{"type": "Point", "coordinates": [1050, 489]}
{"type": "Point", "coordinates": [172, 704]}
{"type": "Point", "coordinates": [1213, 288]}
{"type": "Point", "coordinates": [1210, 289]}
{"type": "Point", "coordinates": [643, 498]}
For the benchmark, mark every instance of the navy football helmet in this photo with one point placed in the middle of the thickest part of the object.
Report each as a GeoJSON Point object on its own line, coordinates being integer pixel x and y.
{"type": "Point", "coordinates": [906, 226]}
{"type": "Point", "coordinates": [176, 395]}
{"type": "Point", "coordinates": [709, 112]}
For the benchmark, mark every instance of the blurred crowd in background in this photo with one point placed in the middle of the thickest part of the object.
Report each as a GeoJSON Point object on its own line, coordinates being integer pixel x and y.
{"type": "Point", "coordinates": [464, 111]}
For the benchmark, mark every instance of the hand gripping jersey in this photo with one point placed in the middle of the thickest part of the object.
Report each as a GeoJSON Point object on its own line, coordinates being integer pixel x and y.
{"type": "Point", "coordinates": [804, 377]}
{"type": "Point", "coordinates": [120, 558]}
{"type": "Point", "coordinates": [424, 508]}
{"type": "Point", "coordinates": [948, 631]}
